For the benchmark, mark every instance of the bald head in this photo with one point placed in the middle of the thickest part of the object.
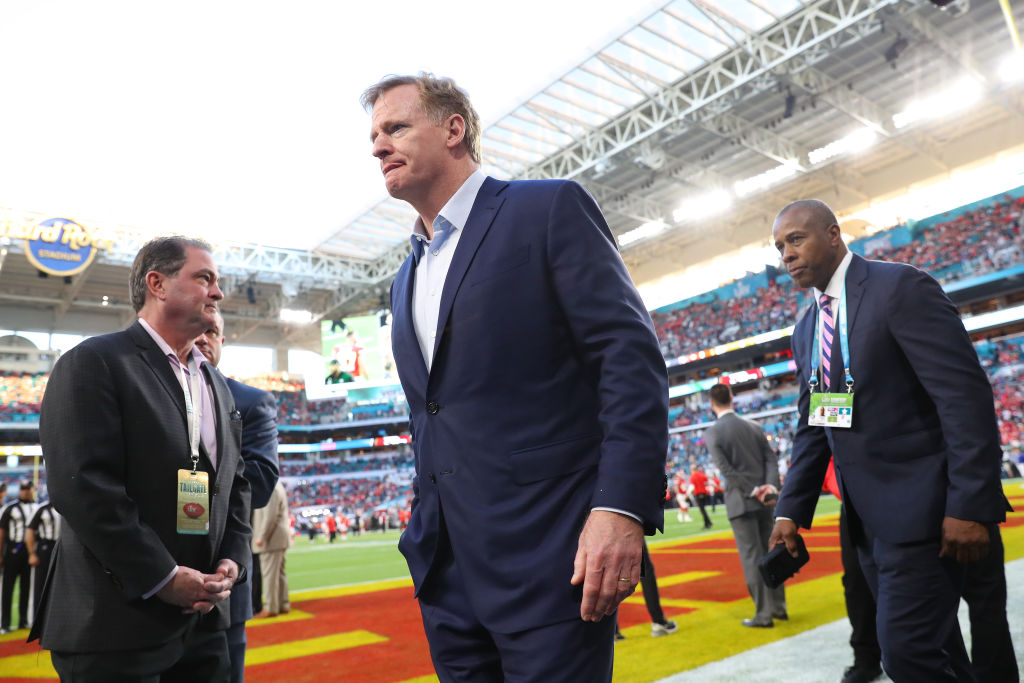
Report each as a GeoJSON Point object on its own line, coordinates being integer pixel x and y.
{"type": "Point", "coordinates": [816, 212]}
{"type": "Point", "coordinates": [808, 238]}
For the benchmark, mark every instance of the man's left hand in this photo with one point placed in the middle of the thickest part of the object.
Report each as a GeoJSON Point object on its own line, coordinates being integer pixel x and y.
{"type": "Point", "coordinates": [227, 570]}
{"type": "Point", "coordinates": [964, 541]}
{"type": "Point", "coordinates": [610, 549]}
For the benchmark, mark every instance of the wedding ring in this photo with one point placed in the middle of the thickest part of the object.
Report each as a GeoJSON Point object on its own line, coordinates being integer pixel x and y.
{"type": "Point", "coordinates": [625, 579]}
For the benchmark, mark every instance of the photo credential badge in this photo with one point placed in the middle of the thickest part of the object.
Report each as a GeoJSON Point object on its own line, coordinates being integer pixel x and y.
{"type": "Point", "coordinates": [193, 502]}
{"type": "Point", "coordinates": [831, 410]}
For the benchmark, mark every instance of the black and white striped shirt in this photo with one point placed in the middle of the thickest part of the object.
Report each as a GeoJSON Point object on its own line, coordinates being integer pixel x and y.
{"type": "Point", "coordinates": [46, 523]}
{"type": "Point", "coordinates": [14, 519]}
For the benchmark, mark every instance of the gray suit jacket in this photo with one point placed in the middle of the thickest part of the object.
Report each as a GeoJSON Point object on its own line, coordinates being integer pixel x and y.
{"type": "Point", "coordinates": [740, 450]}
{"type": "Point", "coordinates": [114, 434]}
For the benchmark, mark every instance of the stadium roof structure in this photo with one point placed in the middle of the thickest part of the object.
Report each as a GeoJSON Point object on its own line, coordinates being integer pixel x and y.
{"type": "Point", "coordinates": [744, 104]}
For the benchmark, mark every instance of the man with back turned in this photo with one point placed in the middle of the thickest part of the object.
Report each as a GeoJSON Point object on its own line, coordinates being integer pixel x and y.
{"type": "Point", "coordinates": [890, 384]}
{"type": "Point", "coordinates": [538, 399]}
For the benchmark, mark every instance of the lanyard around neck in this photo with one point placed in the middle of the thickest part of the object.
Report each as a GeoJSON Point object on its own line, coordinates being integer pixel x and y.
{"type": "Point", "coordinates": [193, 406]}
{"type": "Point", "coordinates": [844, 343]}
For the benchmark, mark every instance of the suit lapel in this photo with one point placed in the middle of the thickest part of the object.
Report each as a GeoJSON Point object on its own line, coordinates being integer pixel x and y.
{"type": "Point", "coordinates": [160, 366]}
{"type": "Point", "coordinates": [403, 337]}
{"type": "Point", "coordinates": [485, 208]}
{"type": "Point", "coordinates": [224, 472]}
{"type": "Point", "coordinates": [856, 275]}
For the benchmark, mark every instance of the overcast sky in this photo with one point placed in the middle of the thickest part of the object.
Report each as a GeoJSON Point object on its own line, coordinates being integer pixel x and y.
{"type": "Point", "coordinates": [240, 120]}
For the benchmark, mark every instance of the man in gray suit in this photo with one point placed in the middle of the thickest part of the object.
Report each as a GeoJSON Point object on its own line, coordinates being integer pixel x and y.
{"type": "Point", "coordinates": [142, 445]}
{"type": "Point", "coordinates": [740, 450]}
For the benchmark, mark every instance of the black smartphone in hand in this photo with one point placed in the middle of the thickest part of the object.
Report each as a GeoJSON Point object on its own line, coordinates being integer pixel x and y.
{"type": "Point", "coordinates": [778, 565]}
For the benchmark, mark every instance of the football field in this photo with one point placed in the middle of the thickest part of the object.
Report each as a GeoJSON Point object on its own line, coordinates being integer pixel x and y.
{"type": "Point", "coordinates": [353, 617]}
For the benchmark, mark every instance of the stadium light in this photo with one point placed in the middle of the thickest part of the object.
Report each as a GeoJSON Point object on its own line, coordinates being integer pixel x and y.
{"type": "Point", "coordinates": [857, 141]}
{"type": "Point", "coordinates": [763, 180]}
{"type": "Point", "coordinates": [289, 315]}
{"type": "Point", "coordinates": [962, 94]}
{"type": "Point", "coordinates": [648, 229]}
{"type": "Point", "coordinates": [1011, 70]}
{"type": "Point", "coordinates": [708, 204]}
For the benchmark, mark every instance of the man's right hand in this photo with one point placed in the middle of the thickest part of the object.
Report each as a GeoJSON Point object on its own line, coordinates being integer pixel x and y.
{"type": "Point", "coordinates": [784, 532]}
{"type": "Point", "coordinates": [186, 590]}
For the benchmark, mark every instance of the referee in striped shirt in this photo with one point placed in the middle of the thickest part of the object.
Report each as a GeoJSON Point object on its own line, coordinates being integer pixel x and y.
{"type": "Point", "coordinates": [13, 522]}
{"type": "Point", "coordinates": [40, 538]}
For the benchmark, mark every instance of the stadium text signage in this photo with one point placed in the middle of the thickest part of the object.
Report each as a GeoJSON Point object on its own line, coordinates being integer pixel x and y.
{"type": "Point", "coordinates": [58, 246]}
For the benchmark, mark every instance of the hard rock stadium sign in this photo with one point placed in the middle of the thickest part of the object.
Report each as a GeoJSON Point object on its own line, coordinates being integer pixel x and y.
{"type": "Point", "coordinates": [57, 246]}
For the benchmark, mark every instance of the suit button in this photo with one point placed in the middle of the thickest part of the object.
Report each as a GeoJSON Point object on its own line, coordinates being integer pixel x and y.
{"type": "Point", "coordinates": [432, 407]}
{"type": "Point", "coordinates": [433, 479]}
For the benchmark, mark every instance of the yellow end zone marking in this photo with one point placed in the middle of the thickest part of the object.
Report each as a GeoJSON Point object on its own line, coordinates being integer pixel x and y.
{"type": "Point", "coordinates": [339, 591]}
{"type": "Point", "coordinates": [294, 615]}
{"type": "Point", "coordinates": [31, 665]}
{"type": "Point", "coordinates": [685, 577]}
{"type": "Point", "coordinates": [422, 679]}
{"type": "Point", "coordinates": [20, 634]}
{"type": "Point", "coordinates": [313, 646]}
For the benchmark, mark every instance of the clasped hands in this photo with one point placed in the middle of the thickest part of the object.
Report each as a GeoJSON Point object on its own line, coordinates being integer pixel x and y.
{"type": "Point", "coordinates": [195, 591]}
{"type": "Point", "coordinates": [607, 562]}
{"type": "Point", "coordinates": [763, 490]}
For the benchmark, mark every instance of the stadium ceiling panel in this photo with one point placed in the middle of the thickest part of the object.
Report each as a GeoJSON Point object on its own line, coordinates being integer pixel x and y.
{"type": "Point", "coordinates": [751, 101]}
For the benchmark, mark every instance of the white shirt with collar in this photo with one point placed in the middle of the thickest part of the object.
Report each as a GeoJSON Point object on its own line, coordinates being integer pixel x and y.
{"type": "Point", "coordinates": [835, 285]}
{"type": "Point", "coordinates": [432, 269]}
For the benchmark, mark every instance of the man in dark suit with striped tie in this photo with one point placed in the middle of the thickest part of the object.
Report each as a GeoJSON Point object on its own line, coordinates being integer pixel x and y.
{"type": "Point", "coordinates": [917, 453]}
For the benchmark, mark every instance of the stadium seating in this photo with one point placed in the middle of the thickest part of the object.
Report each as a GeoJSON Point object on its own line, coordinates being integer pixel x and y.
{"type": "Point", "coordinates": [964, 243]}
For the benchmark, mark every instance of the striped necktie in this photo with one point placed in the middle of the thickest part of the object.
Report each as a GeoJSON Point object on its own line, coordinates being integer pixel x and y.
{"type": "Point", "coordinates": [827, 335]}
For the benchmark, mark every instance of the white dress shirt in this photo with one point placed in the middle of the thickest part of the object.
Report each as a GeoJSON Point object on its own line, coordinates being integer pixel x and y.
{"type": "Point", "coordinates": [432, 269]}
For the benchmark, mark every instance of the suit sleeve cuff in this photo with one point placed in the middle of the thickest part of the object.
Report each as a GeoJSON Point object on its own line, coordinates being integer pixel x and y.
{"type": "Point", "coordinates": [621, 512]}
{"type": "Point", "coordinates": [156, 589]}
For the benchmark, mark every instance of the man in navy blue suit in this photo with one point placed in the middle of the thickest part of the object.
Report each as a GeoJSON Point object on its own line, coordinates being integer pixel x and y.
{"type": "Point", "coordinates": [919, 465]}
{"type": "Point", "coordinates": [538, 399]}
{"type": "Point", "coordinates": [259, 453]}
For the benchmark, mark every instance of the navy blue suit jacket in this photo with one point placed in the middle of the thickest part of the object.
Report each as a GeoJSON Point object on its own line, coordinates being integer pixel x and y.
{"type": "Point", "coordinates": [924, 443]}
{"type": "Point", "coordinates": [547, 397]}
{"type": "Point", "coordinates": [259, 453]}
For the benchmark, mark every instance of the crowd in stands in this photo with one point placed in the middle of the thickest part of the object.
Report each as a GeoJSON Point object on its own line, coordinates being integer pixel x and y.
{"type": "Point", "coordinates": [350, 494]}
{"type": "Point", "coordinates": [393, 460]}
{"type": "Point", "coordinates": [972, 242]}
{"type": "Point", "coordinates": [20, 395]}
{"type": "Point", "coordinates": [701, 326]}
{"type": "Point", "coordinates": [976, 241]}
{"type": "Point", "coordinates": [294, 409]}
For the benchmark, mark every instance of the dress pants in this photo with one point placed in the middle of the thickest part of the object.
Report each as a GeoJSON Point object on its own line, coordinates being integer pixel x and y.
{"type": "Point", "coordinates": [860, 604]}
{"type": "Point", "coordinates": [649, 583]}
{"type": "Point", "coordinates": [236, 651]}
{"type": "Point", "coordinates": [917, 594]}
{"type": "Point", "coordinates": [275, 581]}
{"type": "Point", "coordinates": [992, 656]}
{"type": "Point", "coordinates": [464, 651]}
{"type": "Point", "coordinates": [15, 568]}
{"type": "Point", "coordinates": [752, 531]}
{"type": "Point", "coordinates": [196, 656]}
{"type": "Point", "coordinates": [256, 580]}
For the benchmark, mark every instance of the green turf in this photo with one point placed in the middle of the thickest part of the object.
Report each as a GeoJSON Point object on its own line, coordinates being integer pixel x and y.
{"type": "Point", "coordinates": [375, 556]}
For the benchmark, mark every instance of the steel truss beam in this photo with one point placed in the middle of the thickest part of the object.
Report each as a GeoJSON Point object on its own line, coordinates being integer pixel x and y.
{"type": "Point", "coordinates": [814, 31]}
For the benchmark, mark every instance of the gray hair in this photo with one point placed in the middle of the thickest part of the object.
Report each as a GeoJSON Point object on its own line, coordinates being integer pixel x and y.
{"type": "Point", "coordinates": [440, 98]}
{"type": "Point", "coordinates": [165, 255]}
